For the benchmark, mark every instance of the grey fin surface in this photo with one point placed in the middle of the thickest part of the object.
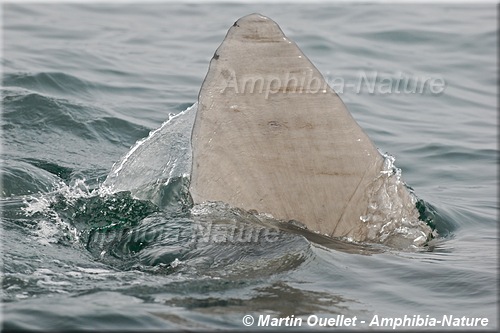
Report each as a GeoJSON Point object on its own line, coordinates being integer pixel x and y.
{"type": "Point", "coordinates": [272, 136]}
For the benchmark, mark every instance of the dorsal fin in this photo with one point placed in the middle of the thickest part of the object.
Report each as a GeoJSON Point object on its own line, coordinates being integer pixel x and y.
{"type": "Point", "coordinates": [271, 135]}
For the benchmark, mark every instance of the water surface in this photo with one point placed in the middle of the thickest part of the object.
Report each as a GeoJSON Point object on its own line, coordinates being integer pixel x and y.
{"type": "Point", "coordinates": [83, 83]}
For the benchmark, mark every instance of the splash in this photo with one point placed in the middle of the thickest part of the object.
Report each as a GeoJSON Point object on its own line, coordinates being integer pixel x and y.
{"type": "Point", "coordinates": [392, 217]}
{"type": "Point", "coordinates": [158, 164]}
{"type": "Point", "coordinates": [78, 215]}
{"type": "Point", "coordinates": [51, 227]}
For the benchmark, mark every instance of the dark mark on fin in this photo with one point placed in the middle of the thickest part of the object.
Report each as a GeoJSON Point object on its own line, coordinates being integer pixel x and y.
{"type": "Point", "coordinates": [216, 56]}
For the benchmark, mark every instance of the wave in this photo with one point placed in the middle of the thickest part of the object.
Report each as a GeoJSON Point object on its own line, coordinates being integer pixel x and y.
{"type": "Point", "coordinates": [142, 217]}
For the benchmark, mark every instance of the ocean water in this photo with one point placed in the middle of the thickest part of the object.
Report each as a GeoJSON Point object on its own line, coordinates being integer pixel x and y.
{"type": "Point", "coordinates": [83, 83]}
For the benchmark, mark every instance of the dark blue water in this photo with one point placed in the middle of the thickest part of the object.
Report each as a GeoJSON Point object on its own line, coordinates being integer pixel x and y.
{"type": "Point", "coordinates": [83, 83]}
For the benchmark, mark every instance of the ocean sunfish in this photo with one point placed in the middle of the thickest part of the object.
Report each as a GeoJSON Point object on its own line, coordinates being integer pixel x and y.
{"type": "Point", "coordinates": [270, 135]}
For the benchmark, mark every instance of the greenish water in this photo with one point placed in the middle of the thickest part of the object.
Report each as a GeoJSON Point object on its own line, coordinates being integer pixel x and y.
{"type": "Point", "coordinates": [83, 83]}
